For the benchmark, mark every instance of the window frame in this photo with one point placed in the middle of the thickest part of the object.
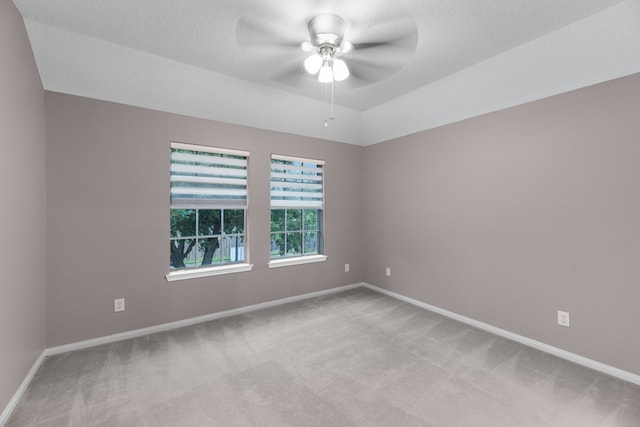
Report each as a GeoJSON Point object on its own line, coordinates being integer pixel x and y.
{"type": "Point", "coordinates": [224, 205]}
{"type": "Point", "coordinates": [319, 256]}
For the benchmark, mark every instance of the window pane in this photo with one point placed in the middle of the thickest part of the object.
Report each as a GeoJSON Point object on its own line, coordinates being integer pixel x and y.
{"type": "Point", "coordinates": [233, 249]}
{"type": "Point", "coordinates": [183, 253]}
{"type": "Point", "coordinates": [209, 221]}
{"type": "Point", "coordinates": [294, 244]}
{"type": "Point", "coordinates": [277, 220]}
{"type": "Point", "coordinates": [234, 221]}
{"type": "Point", "coordinates": [311, 243]}
{"type": "Point", "coordinates": [277, 245]}
{"type": "Point", "coordinates": [209, 251]}
{"type": "Point", "coordinates": [294, 219]}
{"type": "Point", "coordinates": [183, 222]}
{"type": "Point", "coordinates": [311, 219]}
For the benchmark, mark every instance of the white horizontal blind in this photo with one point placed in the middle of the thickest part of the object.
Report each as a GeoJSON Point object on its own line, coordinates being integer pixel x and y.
{"type": "Point", "coordinates": [296, 182]}
{"type": "Point", "coordinates": [207, 177]}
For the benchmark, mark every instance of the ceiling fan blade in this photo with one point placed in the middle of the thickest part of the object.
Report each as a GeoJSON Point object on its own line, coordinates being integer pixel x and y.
{"type": "Point", "coordinates": [407, 42]}
{"type": "Point", "coordinates": [391, 61]}
{"type": "Point", "coordinates": [274, 67]}
{"type": "Point", "coordinates": [389, 44]}
{"type": "Point", "coordinates": [405, 38]}
{"type": "Point", "coordinates": [295, 77]}
{"type": "Point", "coordinates": [356, 81]}
{"type": "Point", "coordinates": [258, 33]}
{"type": "Point", "coordinates": [369, 73]}
{"type": "Point", "coordinates": [385, 56]}
{"type": "Point", "coordinates": [382, 27]}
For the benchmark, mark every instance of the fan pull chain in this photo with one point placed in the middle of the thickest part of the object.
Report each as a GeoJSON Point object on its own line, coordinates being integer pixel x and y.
{"type": "Point", "coordinates": [331, 116]}
{"type": "Point", "coordinates": [326, 88]}
{"type": "Point", "coordinates": [326, 122]}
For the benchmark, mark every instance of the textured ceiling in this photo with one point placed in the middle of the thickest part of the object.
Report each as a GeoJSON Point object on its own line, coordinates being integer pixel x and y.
{"type": "Point", "coordinates": [254, 46]}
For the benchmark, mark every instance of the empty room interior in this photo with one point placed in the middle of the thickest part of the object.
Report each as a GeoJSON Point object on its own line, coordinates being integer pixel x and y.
{"type": "Point", "coordinates": [320, 213]}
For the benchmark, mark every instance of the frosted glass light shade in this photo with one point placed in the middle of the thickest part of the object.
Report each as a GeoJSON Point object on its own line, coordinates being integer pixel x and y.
{"type": "Point", "coordinates": [346, 47]}
{"type": "Point", "coordinates": [313, 63]}
{"type": "Point", "coordinates": [340, 70]}
{"type": "Point", "coordinates": [326, 74]}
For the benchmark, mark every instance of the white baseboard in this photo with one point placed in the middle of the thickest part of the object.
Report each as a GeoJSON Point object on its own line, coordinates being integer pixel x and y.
{"type": "Point", "coordinates": [8, 410]}
{"type": "Point", "coordinates": [191, 321]}
{"type": "Point", "coordinates": [572, 357]}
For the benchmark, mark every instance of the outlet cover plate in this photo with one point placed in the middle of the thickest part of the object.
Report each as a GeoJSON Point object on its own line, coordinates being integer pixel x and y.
{"type": "Point", "coordinates": [118, 305]}
{"type": "Point", "coordinates": [564, 318]}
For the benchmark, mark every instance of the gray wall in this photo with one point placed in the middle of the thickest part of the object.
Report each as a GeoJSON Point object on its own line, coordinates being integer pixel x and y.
{"type": "Point", "coordinates": [108, 226]}
{"type": "Point", "coordinates": [22, 217]}
{"type": "Point", "coordinates": [508, 217]}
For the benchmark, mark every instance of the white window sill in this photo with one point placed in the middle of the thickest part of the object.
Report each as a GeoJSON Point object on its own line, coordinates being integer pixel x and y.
{"type": "Point", "coordinates": [284, 262]}
{"type": "Point", "coordinates": [208, 271]}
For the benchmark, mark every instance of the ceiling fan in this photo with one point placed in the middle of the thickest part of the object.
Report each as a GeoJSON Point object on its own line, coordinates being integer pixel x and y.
{"type": "Point", "coordinates": [359, 51]}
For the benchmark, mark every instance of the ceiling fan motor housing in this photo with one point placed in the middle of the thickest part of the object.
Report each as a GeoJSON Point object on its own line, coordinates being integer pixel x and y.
{"type": "Point", "coordinates": [326, 31]}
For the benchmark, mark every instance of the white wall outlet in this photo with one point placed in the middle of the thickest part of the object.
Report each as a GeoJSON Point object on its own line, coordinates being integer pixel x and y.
{"type": "Point", "coordinates": [388, 272]}
{"type": "Point", "coordinates": [564, 318]}
{"type": "Point", "coordinates": [118, 304]}
{"type": "Point", "coordinates": [346, 268]}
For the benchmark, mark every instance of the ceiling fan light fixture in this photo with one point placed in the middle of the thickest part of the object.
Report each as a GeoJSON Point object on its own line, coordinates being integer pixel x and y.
{"type": "Point", "coordinates": [326, 36]}
{"type": "Point", "coordinates": [313, 64]}
{"type": "Point", "coordinates": [326, 73]}
{"type": "Point", "coordinates": [340, 70]}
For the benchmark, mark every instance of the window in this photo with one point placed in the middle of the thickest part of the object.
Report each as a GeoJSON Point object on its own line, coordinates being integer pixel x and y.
{"type": "Point", "coordinates": [208, 209]}
{"type": "Point", "coordinates": [297, 203]}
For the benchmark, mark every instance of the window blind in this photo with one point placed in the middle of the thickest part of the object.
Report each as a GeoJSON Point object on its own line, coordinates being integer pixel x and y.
{"type": "Point", "coordinates": [208, 177]}
{"type": "Point", "coordinates": [296, 182]}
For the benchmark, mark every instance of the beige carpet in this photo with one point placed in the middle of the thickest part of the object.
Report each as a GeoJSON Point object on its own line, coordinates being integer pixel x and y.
{"type": "Point", "coordinates": [357, 358]}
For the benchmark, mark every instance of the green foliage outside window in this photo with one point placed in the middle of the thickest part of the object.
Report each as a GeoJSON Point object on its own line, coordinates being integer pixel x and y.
{"type": "Point", "coordinates": [294, 232]}
{"type": "Point", "coordinates": [202, 237]}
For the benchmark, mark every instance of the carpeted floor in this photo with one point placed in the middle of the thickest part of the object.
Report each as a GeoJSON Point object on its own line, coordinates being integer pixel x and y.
{"type": "Point", "coordinates": [357, 358]}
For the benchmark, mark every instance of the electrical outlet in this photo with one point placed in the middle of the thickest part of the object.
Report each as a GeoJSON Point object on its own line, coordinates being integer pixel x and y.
{"type": "Point", "coordinates": [388, 272]}
{"type": "Point", "coordinates": [346, 268]}
{"type": "Point", "coordinates": [564, 318]}
{"type": "Point", "coordinates": [118, 304]}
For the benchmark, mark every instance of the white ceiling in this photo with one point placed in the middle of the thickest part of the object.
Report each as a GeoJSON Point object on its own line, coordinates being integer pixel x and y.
{"type": "Point", "coordinates": [239, 60]}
